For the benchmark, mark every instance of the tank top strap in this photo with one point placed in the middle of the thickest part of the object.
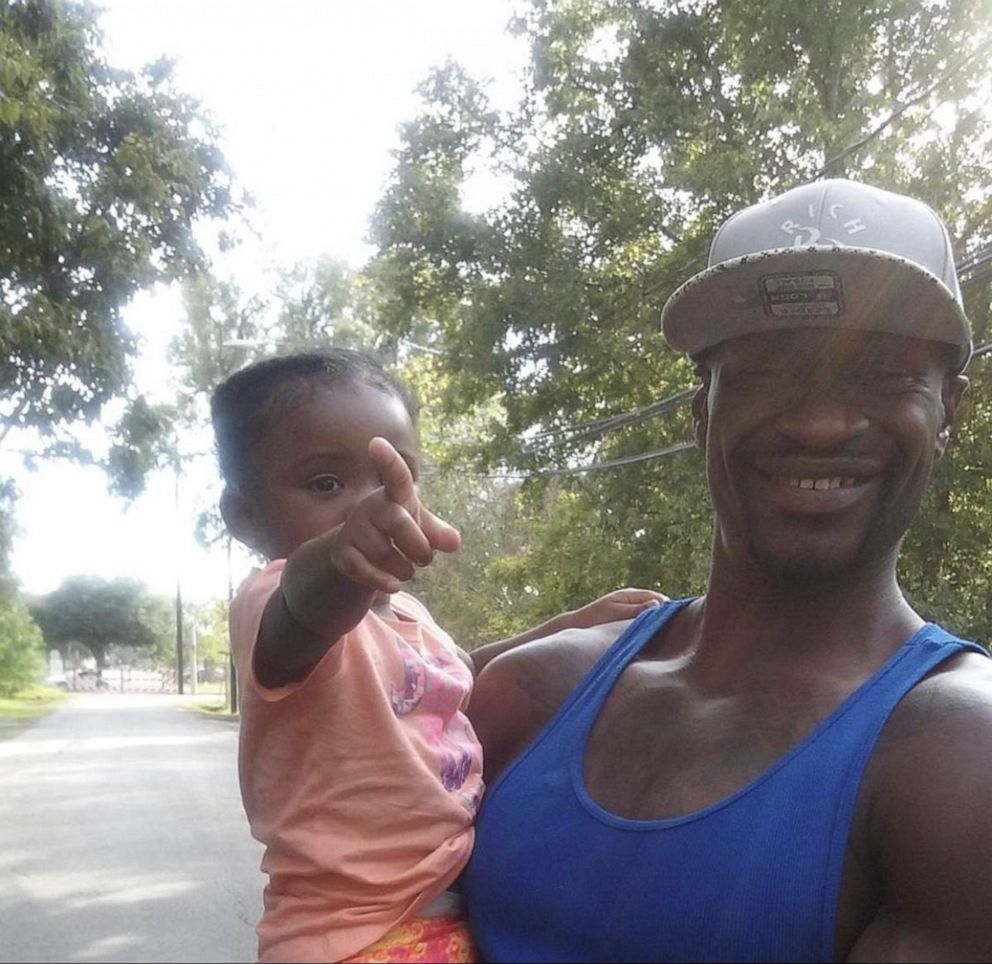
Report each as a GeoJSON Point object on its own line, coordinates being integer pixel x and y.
{"type": "Point", "coordinates": [926, 649]}
{"type": "Point", "coordinates": [593, 690]}
{"type": "Point", "coordinates": [591, 693]}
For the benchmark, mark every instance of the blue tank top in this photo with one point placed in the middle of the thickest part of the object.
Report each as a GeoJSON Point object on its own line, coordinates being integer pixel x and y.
{"type": "Point", "coordinates": [754, 877]}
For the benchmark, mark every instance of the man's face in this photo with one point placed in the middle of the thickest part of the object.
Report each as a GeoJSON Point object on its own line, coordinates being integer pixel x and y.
{"type": "Point", "coordinates": [819, 444]}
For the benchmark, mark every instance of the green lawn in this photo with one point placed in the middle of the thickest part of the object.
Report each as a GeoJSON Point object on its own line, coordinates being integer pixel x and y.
{"type": "Point", "coordinates": [219, 710]}
{"type": "Point", "coordinates": [21, 711]}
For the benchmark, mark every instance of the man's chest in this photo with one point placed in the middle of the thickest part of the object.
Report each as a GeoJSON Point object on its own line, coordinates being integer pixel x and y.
{"type": "Point", "coordinates": [661, 749]}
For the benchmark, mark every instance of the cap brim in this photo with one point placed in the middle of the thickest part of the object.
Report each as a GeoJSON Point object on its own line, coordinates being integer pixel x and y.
{"type": "Point", "coordinates": [814, 287]}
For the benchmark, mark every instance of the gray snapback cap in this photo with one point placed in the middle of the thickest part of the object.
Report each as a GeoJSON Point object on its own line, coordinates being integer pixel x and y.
{"type": "Point", "coordinates": [832, 253]}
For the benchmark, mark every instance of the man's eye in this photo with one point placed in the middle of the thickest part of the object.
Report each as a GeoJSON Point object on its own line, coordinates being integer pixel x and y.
{"type": "Point", "coordinates": [325, 483]}
{"type": "Point", "coordinates": [755, 375]}
{"type": "Point", "coordinates": [886, 379]}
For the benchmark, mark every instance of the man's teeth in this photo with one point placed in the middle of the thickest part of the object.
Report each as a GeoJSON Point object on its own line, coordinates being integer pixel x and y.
{"type": "Point", "coordinates": [835, 483]}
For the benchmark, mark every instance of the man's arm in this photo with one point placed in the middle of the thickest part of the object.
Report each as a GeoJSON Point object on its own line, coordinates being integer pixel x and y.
{"type": "Point", "coordinates": [929, 826]}
{"type": "Point", "coordinates": [518, 693]}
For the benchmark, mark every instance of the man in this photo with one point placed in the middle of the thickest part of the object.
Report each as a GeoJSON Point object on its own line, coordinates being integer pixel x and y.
{"type": "Point", "coordinates": [793, 766]}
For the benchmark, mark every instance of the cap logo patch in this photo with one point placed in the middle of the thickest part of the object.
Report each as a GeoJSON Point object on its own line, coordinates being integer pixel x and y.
{"type": "Point", "coordinates": [806, 295]}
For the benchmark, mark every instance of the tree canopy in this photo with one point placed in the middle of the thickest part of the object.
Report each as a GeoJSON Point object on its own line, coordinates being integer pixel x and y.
{"type": "Point", "coordinates": [642, 126]}
{"type": "Point", "coordinates": [22, 656]}
{"type": "Point", "coordinates": [103, 174]}
{"type": "Point", "coordinates": [101, 613]}
{"type": "Point", "coordinates": [555, 424]}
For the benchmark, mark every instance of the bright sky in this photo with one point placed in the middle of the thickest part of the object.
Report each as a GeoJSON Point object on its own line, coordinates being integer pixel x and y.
{"type": "Point", "coordinates": [309, 95]}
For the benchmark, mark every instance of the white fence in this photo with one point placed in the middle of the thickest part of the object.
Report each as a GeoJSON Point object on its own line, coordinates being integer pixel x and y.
{"type": "Point", "coordinates": [121, 680]}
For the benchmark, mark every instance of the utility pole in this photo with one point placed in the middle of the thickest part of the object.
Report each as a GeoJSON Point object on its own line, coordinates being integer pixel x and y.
{"type": "Point", "coordinates": [179, 593]}
{"type": "Point", "coordinates": [195, 668]}
{"type": "Point", "coordinates": [179, 637]}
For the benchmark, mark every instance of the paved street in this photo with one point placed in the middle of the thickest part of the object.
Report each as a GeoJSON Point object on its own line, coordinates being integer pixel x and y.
{"type": "Point", "coordinates": [122, 837]}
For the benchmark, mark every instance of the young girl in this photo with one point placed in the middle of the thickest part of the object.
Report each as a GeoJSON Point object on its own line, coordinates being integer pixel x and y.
{"type": "Point", "coordinates": [359, 770]}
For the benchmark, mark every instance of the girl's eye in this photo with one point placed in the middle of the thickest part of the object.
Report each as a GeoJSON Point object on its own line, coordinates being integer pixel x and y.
{"type": "Point", "coordinates": [325, 483]}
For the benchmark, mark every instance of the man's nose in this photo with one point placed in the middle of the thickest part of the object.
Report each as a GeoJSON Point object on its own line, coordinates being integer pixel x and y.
{"type": "Point", "coordinates": [822, 420]}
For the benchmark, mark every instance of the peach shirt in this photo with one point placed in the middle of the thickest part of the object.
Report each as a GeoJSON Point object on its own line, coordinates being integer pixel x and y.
{"type": "Point", "coordinates": [362, 781]}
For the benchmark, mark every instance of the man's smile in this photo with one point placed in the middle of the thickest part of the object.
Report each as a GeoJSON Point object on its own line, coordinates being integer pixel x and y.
{"type": "Point", "coordinates": [822, 483]}
{"type": "Point", "coordinates": [804, 484]}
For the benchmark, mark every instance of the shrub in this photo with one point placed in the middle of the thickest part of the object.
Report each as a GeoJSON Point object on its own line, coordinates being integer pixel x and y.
{"type": "Point", "coordinates": [22, 652]}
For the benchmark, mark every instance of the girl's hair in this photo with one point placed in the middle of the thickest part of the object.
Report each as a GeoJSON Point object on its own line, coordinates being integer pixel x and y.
{"type": "Point", "coordinates": [246, 405]}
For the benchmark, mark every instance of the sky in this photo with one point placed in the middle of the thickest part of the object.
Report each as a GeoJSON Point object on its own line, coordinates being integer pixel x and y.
{"type": "Point", "coordinates": [309, 96]}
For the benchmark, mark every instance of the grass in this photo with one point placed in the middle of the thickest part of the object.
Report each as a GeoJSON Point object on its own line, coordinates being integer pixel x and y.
{"type": "Point", "coordinates": [218, 711]}
{"type": "Point", "coordinates": [19, 712]}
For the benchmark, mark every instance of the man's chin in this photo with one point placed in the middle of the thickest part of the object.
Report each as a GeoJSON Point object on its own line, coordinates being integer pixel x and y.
{"type": "Point", "coordinates": [806, 564]}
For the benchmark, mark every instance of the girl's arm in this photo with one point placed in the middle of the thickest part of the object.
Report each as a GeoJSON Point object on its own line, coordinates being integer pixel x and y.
{"type": "Point", "coordinates": [614, 606]}
{"type": "Point", "coordinates": [314, 606]}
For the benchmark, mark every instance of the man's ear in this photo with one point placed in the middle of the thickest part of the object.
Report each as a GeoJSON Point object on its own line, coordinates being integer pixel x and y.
{"type": "Point", "coordinates": [951, 395]}
{"type": "Point", "coordinates": [701, 412]}
{"type": "Point", "coordinates": [238, 513]}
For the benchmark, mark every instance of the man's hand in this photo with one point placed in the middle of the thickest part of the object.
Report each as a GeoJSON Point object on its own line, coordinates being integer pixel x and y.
{"type": "Point", "coordinates": [389, 533]}
{"type": "Point", "coordinates": [616, 605]}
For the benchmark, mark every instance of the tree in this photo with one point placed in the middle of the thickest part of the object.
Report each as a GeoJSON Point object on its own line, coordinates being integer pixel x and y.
{"type": "Point", "coordinates": [322, 303]}
{"type": "Point", "coordinates": [103, 174]}
{"type": "Point", "coordinates": [22, 656]}
{"type": "Point", "coordinates": [8, 495]}
{"type": "Point", "coordinates": [100, 614]}
{"type": "Point", "coordinates": [213, 644]}
{"type": "Point", "coordinates": [314, 305]}
{"type": "Point", "coordinates": [642, 126]}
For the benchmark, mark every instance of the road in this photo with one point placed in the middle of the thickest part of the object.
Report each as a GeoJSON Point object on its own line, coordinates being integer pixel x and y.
{"type": "Point", "coordinates": [122, 837]}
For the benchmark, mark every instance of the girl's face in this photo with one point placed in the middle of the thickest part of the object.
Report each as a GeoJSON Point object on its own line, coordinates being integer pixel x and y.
{"type": "Point", "coordinates": [312, 467]}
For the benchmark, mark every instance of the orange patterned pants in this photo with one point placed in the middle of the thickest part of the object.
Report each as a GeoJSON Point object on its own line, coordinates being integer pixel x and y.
{"type": "Point", "coordinates": [422, 939]}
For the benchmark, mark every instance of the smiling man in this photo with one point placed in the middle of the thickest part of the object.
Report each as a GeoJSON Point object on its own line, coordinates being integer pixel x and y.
{"type": "Point", "coordinates": [794, 766]}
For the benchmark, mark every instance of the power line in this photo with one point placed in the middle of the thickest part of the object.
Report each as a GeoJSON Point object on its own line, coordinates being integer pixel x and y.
{"type": "Point", "coordinates": [980, 259]}
{"type": "Point", "coordinates": [611, 423]}
{"type": "Point", "coordinates": [623, 460]}
{"type": "Point", "coordinates": [576, 469]}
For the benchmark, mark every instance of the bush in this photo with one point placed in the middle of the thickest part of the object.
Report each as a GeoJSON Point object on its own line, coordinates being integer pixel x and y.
{"type": "Point", "coordinates": [22, 651]}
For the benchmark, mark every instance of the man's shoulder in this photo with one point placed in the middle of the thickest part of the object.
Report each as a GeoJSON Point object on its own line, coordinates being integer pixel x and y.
{"type": "Point", "coordinates": [520, 691]}
{"type": "Point", "coordinates": [561, 658]}
{"type": "Point", "coordinates": [924, 806]}
{"type": "Point", "coordinates": [937, 742]}
{"type": "Point", "coordinates": [952, 699]}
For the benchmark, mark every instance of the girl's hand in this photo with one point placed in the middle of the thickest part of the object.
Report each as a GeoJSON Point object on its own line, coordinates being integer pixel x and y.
{"type": "Point", "coordinates": [616, 605]}
{"type": "Point", "coordinates": [389, 533]}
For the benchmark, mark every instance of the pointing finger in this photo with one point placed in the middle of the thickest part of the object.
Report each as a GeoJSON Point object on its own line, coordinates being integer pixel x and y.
{"type": "Point", "coordinates": [397, 479]}
{"type": "Point", "coordinates": [442, 537]}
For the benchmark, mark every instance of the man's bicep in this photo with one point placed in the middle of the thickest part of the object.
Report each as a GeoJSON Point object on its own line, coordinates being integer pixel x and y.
{"type": "Point", "coordinates": [932, 833]}
{"type": "Point", "coordinates": [518, 693]}
{"type": "Point", "coordinates": [920, 934]}
{"type": "Point", "coordinates": [502, 711]}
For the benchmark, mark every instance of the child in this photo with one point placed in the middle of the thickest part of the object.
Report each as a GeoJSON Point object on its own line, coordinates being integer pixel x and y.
{"type": "Point", "coordinates": [359, 770]}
